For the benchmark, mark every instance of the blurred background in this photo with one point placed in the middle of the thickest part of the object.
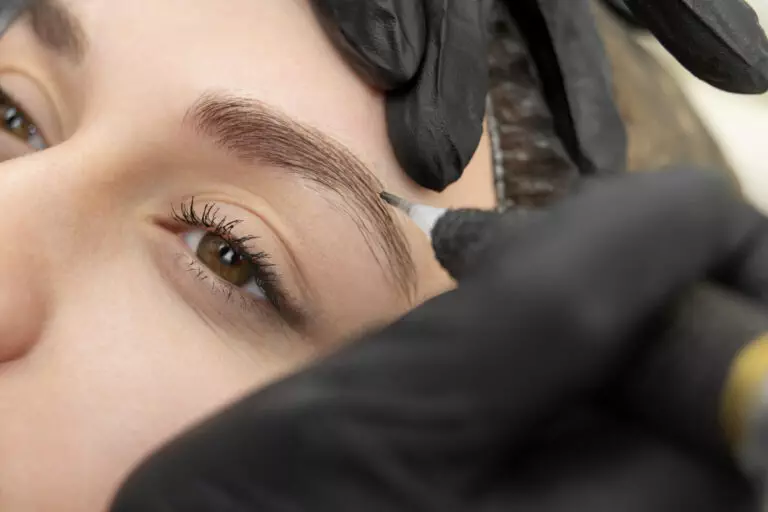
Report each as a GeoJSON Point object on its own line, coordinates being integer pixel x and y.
{"type": "Point", "coordinates": [738, 123]}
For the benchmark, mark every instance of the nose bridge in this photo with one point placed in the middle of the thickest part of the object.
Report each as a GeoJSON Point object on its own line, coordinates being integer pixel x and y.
{"type": "Point", "coordinates": [40, 200]}
{"type": "Point", "coordinates": [40, 223]}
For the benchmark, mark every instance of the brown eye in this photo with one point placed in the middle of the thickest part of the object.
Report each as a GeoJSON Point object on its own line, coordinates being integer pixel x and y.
{"type": "Point", "coordinates": [224, 260]}
{"type": "Point", "coordinates": [19, 124]}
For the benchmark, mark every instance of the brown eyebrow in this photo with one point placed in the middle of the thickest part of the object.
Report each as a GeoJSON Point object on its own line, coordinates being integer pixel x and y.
{"type": "Point", "coordinates": [57, 28]}
{"type": "Point", "coordinates": [256, 132]}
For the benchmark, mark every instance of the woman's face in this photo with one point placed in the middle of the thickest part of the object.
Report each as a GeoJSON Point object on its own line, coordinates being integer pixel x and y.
{"type": "Point", "coordinates": [204, 220]}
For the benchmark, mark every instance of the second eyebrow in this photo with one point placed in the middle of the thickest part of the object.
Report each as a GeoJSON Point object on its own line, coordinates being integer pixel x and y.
{"type": "Point", "coordinates": [254, 131]}
{"type": "Point", "coordinates": [57, 28]}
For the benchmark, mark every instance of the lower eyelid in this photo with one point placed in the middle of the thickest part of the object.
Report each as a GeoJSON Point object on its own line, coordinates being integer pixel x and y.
{"type": "Point", "coordinates": [226, 300]}
{"type": "Point", "coordinates": [236, 313]}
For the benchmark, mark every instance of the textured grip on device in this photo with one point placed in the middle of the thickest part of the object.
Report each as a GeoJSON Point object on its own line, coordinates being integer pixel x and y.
{"type": "Point", "coordinates": [461, 237]}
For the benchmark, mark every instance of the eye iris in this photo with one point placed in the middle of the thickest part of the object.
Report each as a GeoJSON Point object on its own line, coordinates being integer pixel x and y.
{"type": "Point", "coordinates": [16, 122]}
{"type": "Point", "coordinates": [224, 260]}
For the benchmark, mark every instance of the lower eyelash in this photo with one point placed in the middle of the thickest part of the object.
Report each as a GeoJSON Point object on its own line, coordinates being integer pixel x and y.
{"type": "Point", "coordinates": [218, 287]}
{"type": "Point", "coordinates": [224, 294]}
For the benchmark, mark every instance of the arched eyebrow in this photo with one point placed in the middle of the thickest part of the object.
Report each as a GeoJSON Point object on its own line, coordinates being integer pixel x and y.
{"type": "Point", "coordinates": [253, 131]}
{"type": "Point", "coordinates": [57, 28]}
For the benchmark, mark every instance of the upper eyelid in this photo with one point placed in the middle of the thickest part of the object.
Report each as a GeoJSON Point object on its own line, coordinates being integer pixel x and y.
{"type": "Point", "coordinates": [208, 221]}
{"type": "Point", "coordinates": [54, 89]}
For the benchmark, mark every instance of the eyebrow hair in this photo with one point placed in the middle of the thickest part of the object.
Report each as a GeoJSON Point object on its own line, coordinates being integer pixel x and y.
{"type": "Point", "coordinates": [57, 28]}
{"type": "Point", "coordinates": [256, 132]}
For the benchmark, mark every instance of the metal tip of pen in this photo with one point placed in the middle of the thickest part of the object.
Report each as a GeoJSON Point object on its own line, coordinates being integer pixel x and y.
{"type": "Point", "coordinates": [397, 202]}
{"type": "Point", "coordinates": [422, 215]}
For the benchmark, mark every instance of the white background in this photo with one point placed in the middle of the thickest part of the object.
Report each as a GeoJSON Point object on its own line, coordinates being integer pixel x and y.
{"type": "Point", "coordinates": [740, 123]}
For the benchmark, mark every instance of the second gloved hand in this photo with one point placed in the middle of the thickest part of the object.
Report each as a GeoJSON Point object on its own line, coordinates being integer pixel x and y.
{"type": "Point", "coordinates": [429, 57]}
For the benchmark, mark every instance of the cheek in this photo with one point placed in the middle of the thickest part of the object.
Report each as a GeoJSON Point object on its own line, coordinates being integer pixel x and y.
{"type": "Point", "coordinates": [119, 370]}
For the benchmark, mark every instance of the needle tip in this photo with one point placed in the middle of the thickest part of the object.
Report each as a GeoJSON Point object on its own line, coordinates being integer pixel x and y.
{"type": "Point", "coordinates": [397, 202]}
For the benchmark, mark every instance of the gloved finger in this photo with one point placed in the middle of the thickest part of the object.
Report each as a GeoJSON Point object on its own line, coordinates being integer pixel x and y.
{"type": "Point", "coordinates": [435, 126]}
{"type": "Point", "coordinates": [750, 275]}
{"type": "Point", "coordinates": [590, 457]}
{"type": "Point", "coordinates": [675, 383]}
{"type": "Point", "coordinates": [719, 41]}
{"type": "Point", "coordinates": [384, 40]}
{"type": "Point", "coordinates": [570, 58]}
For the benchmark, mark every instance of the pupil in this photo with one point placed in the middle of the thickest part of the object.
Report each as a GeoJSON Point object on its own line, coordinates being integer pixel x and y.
{"type": "Point", "coordinates": [228, 256]}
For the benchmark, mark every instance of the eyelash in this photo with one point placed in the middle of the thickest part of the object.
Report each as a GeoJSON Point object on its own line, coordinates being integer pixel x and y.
{"type": "Point", "coordinates": [210, 220]}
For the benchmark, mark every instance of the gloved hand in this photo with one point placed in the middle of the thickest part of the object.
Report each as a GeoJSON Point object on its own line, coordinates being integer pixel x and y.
{"type": "Point", "coordinates": [719, 41]}
{"type": "Point", "coordinates": [429, 56]}
{"type": "Point", "coordinates": [445, 409]}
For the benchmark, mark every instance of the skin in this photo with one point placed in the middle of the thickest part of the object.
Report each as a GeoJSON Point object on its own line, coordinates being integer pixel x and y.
{"type": "Point", "coordinates": [109, 344]}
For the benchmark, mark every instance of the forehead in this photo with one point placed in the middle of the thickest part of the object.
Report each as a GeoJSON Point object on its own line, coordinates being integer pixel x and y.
{"type": "Point", "coordinates": [165, 53]}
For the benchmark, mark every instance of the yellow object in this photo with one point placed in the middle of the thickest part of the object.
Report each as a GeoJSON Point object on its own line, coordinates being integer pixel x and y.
{"type": "Point", "coordinates": [748, 372]}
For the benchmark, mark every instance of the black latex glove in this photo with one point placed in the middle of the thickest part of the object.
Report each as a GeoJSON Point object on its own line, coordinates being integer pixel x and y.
{"type": "Point", "coordinates": [444, 410]}
{"type": "Point", "coordinates": [430, 58]}
{"type": "Point", "coordinates": [720, 41]}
